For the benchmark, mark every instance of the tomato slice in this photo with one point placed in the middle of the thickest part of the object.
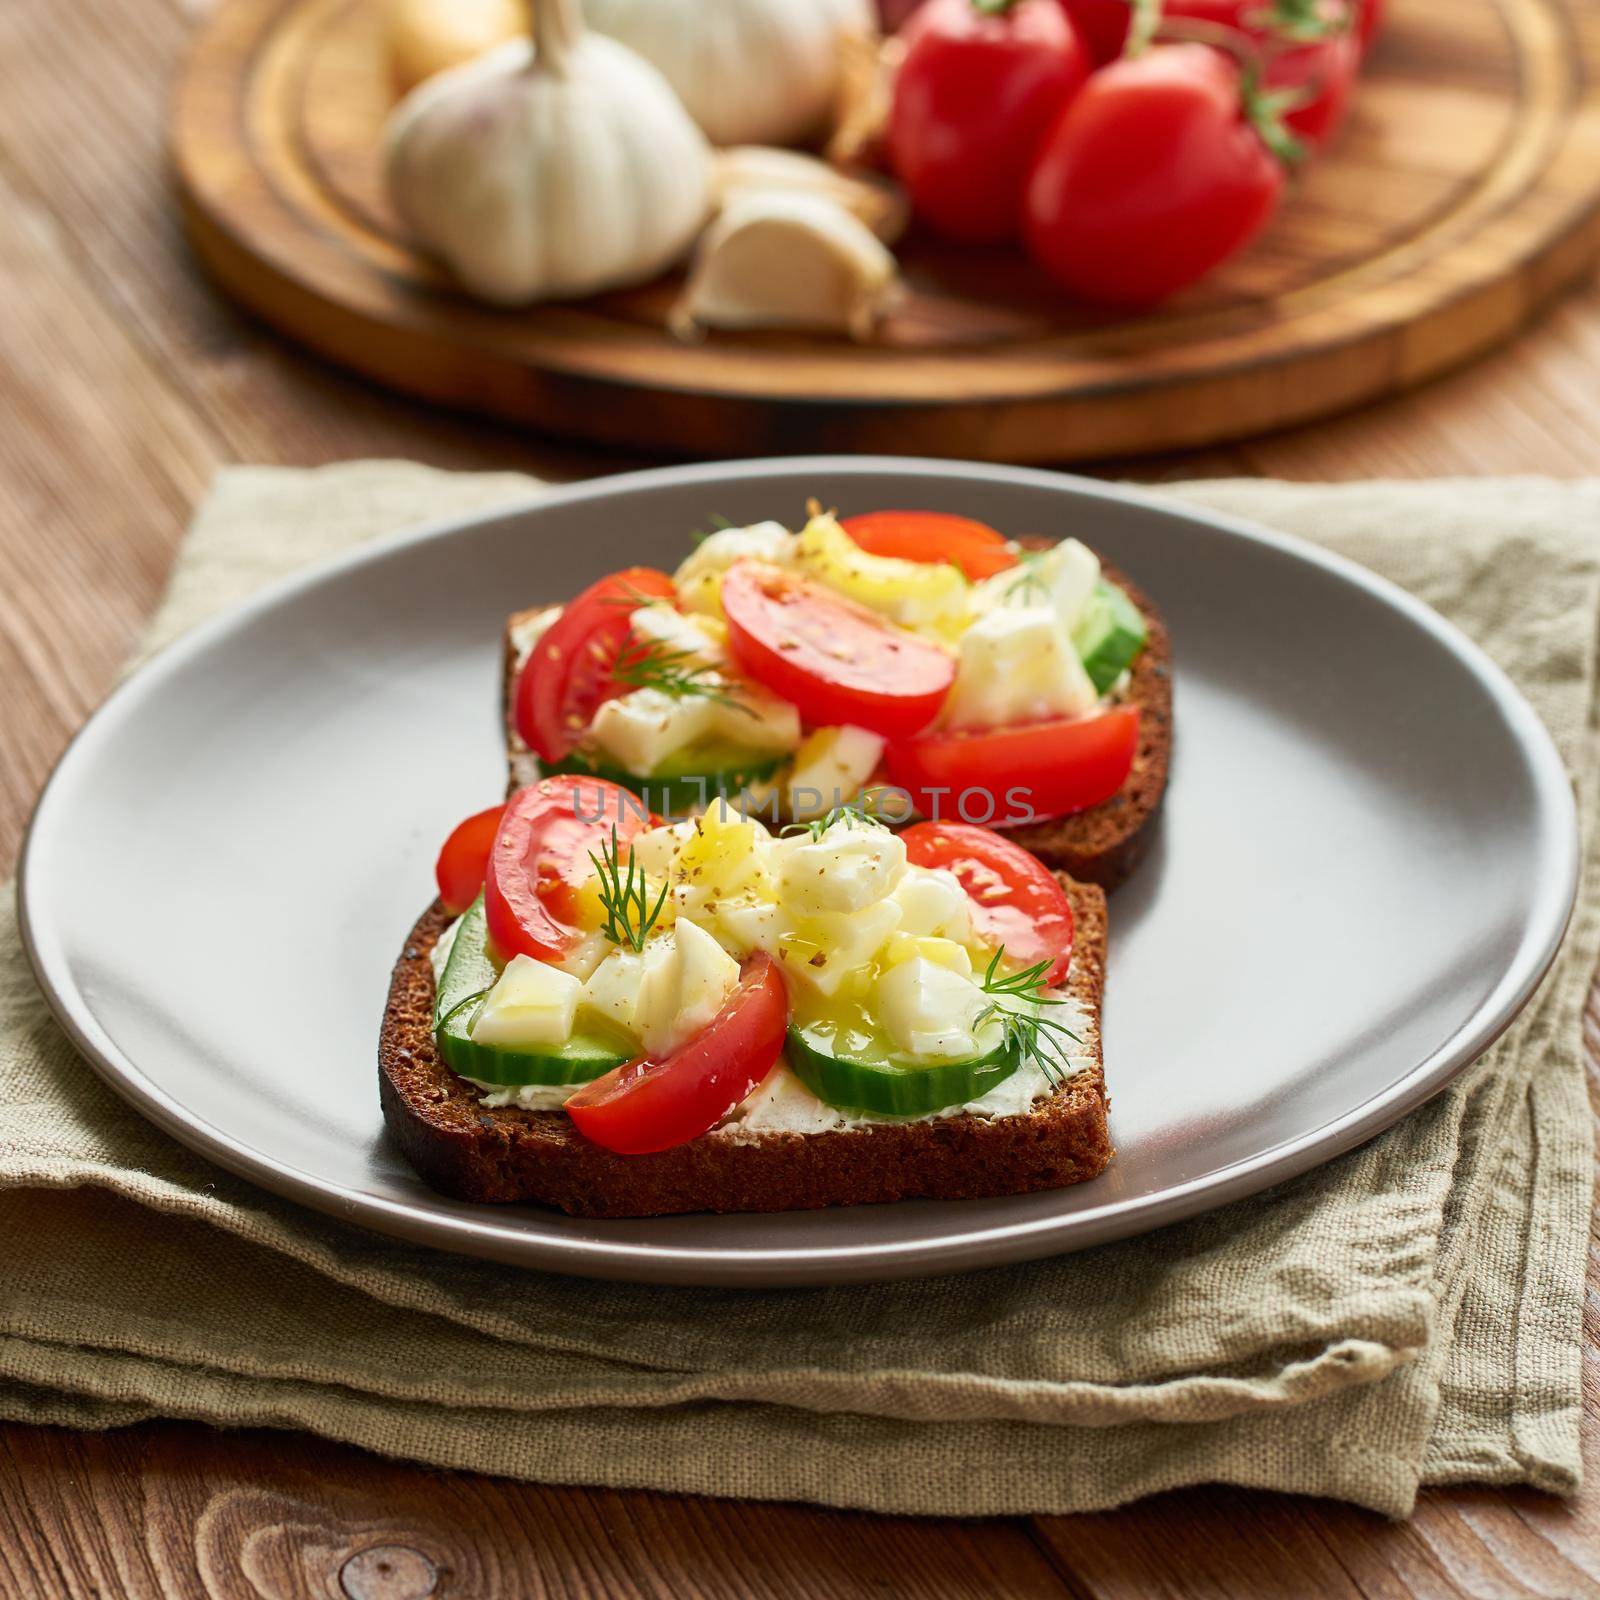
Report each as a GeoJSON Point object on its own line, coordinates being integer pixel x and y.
{"type": "Point", "coordinates": [569, 675]}
{"type": "Point", "coordinates": [1016, 901]}
{"type": "Point", "coordinates": [1020, 774]}
{"type": "Point", "coordinates": [932, 536]}
{"type": "Point", "coordinates": [648, 1105]}
{"type": "Point", "coordinates": [836, 661]}
{"type": "Point", "coordinates": [540, 857]}
{"type": "Point", "coordinates": [462, 863]}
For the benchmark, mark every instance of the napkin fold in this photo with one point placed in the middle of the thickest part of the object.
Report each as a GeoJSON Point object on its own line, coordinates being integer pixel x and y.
{"type": "Point", "coordinates": [1407, 1314]}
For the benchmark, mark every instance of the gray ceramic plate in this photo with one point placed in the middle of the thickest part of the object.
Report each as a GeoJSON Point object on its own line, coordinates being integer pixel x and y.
{"type": "Point", "coordinates": [1366, 863]}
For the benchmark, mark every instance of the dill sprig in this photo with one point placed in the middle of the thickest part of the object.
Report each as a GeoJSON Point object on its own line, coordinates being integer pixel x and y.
{"type": "Point", "coordinates": [460, 1006]}
{"type": "Point", "coordinates": [625, 896]}
{"type": "Point", "coordinates": [852, 814]}
{"type": "Point", "coordinates": [718, 523]}
{"type": "Point", "coordinates": [1032, 1031]}
{"type": "Point", "coordinates": [1027, 585]}
{"type": "Point", "coordinates": [678, 673]}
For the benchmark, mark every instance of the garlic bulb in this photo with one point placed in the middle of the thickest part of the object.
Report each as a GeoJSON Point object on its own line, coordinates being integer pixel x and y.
{"type": "Point", "coordinates": [749, 71]}
{"type": "Point", "coordinates": [759, 169]}
{"type": "Point", "coordinates": [427, 36]}
{"type": "Point", "coordinates": [787, 261]}
{"type": "Point", "coordinates": [551, 169]}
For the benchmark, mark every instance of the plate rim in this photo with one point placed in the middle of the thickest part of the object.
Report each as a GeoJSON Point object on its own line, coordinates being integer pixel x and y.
{"type": "Point", "coordinates": [767, 1266]}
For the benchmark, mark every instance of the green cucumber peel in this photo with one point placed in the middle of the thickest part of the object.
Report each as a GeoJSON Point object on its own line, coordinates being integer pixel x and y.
{"type": "Point", "coordinates": [891, 1088]}
{"type": "Point", "coordinates": [679, 792]}
{"type": "Point", "coordinates": [1110, 635]}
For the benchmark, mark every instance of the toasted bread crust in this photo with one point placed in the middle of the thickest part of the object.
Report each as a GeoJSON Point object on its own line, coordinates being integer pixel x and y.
{"type": "Point", "coordinates": [1102, 845]}
{"type": "Point", "coordinates": [507, 1154]}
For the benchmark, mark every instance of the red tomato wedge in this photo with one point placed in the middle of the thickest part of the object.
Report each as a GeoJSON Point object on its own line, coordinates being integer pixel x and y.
{"type": "Point", "coordinates": [462, 863]}
{"type": "Point", "coordinates": [1020, 774]}
{"type": "Point", "coordinates": [648, 1105]}
{"type": "Point", "coordinates": [834, 660]}
{"type": "Point", "coordinates": [540, 857]}
{"type": "Point", "coordinates": [569, 675]}
{"type": "Point", "coordinates": [932, 536]}
{"type": "Point", "coordinates": [1016, 901]}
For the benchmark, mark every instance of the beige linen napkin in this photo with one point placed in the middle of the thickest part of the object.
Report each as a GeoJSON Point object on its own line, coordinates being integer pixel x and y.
{"type": "Point", "coordinates": [1408, 1314]}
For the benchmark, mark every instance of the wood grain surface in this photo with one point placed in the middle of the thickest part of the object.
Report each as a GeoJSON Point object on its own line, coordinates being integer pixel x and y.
{"type": "Point", "coordinates": [1463, 193]}
{"type": "Point", "coordinates": [124, 383]}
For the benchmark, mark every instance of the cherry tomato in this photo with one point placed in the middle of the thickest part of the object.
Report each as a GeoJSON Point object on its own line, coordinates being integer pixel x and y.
{"type": "Point", "coordinates": [1151, 176]}
{"type": "Point", "coordinates": [1016, 900]}
{"type": "Point", "coordinates": [1018, 774]}
{"type": "Point", "coordinates": [569, 675]}
{"type": "Point", "coordinates": [974, 95]}
{"type": "Point", "coordinates": [464, 860]}
{"type": "Point", "coordinates": [834, 660]}
{"type": "Point", "coordinates": [540, 858]}
{"type": "Point", "coordinates": [1324, 68]}
{"type": "Point", "coordinates": [1102, 25]}
{"type": "Point", "coordinates": [932, 536]}
{"type": "Point", "coordinates": [648, 1105]}
{"type": "Point", "coordinates": [1369, 22]}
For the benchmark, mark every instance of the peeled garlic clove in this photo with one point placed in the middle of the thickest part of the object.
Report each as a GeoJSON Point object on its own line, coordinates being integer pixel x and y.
{"type": "Point", "coordinates": [761, 169]}
{"type": "Point", "coordinates": [429, 36]}
{"type": "Point", "coordinates": [788, 261]}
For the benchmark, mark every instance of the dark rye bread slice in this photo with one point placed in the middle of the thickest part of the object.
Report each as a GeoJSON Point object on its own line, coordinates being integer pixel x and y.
{"type": "Point", "coordinates": [1101, 845]}
{"type": "Point", "coordinates": [506, 1154]}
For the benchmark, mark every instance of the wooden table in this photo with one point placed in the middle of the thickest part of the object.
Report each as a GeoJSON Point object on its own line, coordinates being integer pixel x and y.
{"type": "Point", "coordinates": [124, 384]}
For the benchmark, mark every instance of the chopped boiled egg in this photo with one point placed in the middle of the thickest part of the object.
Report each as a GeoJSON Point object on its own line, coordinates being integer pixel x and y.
{"type": "Point", "coordinates": [641, 729]}
{"type": "Point", "coordinates": [665, 994]}
{"type": "Point", "coordinates": [745, 714]}
{"type": "Point", "coordinates": [591, 949]}
{"type": "Point", "coordinates": [1062, 577]}
{"type": "Point", "coordinates": [932, 902]}
{"type": "Point", "coordinates": [723, 856]}
{"type": "Point", "coordinates": [903, 946]}
{"type": "Point", "coordinates": [699, 578]}
{"type": "Point", "coordinates": [830, 769]}
{"type": "Point", "coordinates": [1017, 664]}
{"type": "Point", "coordinates": [611, 991]}
{"type": "Point", "coordinates": [655, 850]}
{"type": "Point", "coordinates": [929, 1009]}
{"type": "Point", "coordinates": [686, 979]}
{"type": "Point", "coordinates": [831, 949]}
{"type": "Point", "coordinates": [912, 593]}
{"type": "Point", "coordinates": [848, 868]}
{"type": "Point", "coordinates": [695, 640]}
{"type": "Point", "coordinates": [531, 1007]}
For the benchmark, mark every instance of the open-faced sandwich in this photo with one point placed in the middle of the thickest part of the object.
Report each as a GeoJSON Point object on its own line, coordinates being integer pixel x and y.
{"type": "Point", "coordinates": [624, 1017]}
{"type": "Point", "coordinates": [922, 660]}
{"type": "Point", "coordinates": [757, 929]}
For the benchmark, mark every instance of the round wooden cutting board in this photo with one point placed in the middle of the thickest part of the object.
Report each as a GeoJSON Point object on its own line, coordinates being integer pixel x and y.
{"type": "Point", "coordinates": [1462, 194]}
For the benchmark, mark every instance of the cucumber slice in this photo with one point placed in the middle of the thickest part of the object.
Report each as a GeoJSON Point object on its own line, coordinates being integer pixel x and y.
{"type": "Point", "coordinates": [1109, 636]}
{"type": "Point", "coordinates": [894, 1088]}
{"type": "Point", "coordinates": [468, 976]}
{"type": "Point", "coordinates": [687, 784]}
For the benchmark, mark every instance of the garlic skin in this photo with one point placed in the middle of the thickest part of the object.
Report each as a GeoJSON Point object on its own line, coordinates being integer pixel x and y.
{"type": "Point", "coordinates": [749, 169]}
{"type": "Point", "coordinates": [749, 71]}
{"type": "Point", "coordinates": [798, 261]}
{"type": "Point", "coordinates": [550, 169]}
